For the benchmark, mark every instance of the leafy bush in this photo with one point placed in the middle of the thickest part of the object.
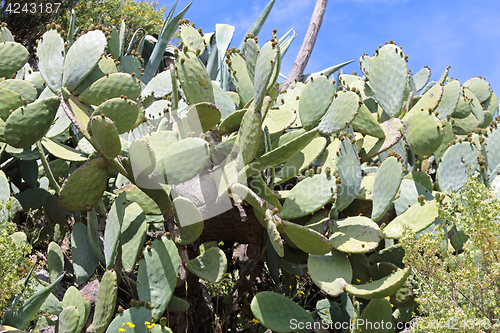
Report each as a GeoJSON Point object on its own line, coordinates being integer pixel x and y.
{"type": "Point", "coordinates": [14, 264]}
{"type": "Point", "coordinates": [460, 286]}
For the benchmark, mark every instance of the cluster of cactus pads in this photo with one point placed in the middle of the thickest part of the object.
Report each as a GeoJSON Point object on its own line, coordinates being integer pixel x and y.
{"type": "Point", "coordinates": [333, 169]}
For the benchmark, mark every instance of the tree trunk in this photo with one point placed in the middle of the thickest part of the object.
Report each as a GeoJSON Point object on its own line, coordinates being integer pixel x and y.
{"type": "Point", "coordinates": [307, 45]}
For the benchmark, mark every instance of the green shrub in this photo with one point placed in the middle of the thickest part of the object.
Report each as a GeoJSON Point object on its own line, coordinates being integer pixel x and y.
{"type": "Point", "coordinates": [14, 264]}
{"type": "Point", "coordinates": [459, 285]}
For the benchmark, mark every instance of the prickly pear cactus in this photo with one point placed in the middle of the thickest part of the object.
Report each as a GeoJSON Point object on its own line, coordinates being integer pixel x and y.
{"type": "Point", "coordinates": [150, 178]}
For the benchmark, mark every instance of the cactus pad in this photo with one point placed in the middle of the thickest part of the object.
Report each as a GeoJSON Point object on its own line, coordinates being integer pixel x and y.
{"type": "Point", "coordinates": [308, 196]}
{"type": "Point", "coordinates": [315, 99]}
{"type": "Point", "coordinates": [308, 240]}
{"type": "Point", "coordinates": [380, 288]}
{"type": "Point", "coordinates": [9, 100]}
{"type": "Point", "coordinates": [82, 57]}
{"type": "Point", "coordinates": [106, 136]}
{"type": "Point", "coordinates": [210, 265]}
{"type": "Point", "coordinates": [84, 187]}
{"type": "Point", "coordinates": [13, 56]}
{"type": "Point", "coordinates": [357, 234]}
{"type": "Point", "coordinates": [277, 312]}
{"type": "Point", "coordinates": [340, 113]}
{"type": "Point", "coordinates": [388, 78]}
{"type": "Point", "coordinates": [28, 124]}
{"type": "Point", "coordinates": [106, 302]}
{"type": "Point", "coordinates": [194, 79]}
{"type": "Point", "coordinates": [452, 171]}
{"type": "Point", "coordinates": [123, 112]}
{"type": "Point", "coordinates": [203, 117]}
{"type": "Point", "coordinates": [330, 272]}
{"type": "Point", "coordinates": [111, 86]}
{"type": "Point", "coordinates": [418, 217]}
{"type": "Point", "coordinates": [157, 274]}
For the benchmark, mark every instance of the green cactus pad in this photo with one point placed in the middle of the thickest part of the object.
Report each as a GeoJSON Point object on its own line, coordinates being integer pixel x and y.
{"type": "Point", "coordinates": [480, 87]}
{"type": "Point", "coordinates": [133, 235]}
{"type": "Point", "coordinates": [241, 78]}
{"type": "Point", "coordinates": [68, 320]}
{"type": "Point", "coordinates": [94, 235]}
{"type": "Point", "coordinates": [26, 89]}
{"type": "Point", "coordinates": [463, 107]}
{"type": "Point", "coordinates": [386, 186]}
{"type": "Point", "coordinates": [388, 78]}
{"type": "Point", "coordinates": [491, 104]}
{"type": "Point", "coordinates": [73, 298]}
{"type": "Point", "coordinates": [191, 154]}
{"type": "Point", "coordinates": [357, 234]}
{"type": "Point", "coordinates": [28, 124]}
{"type": "Point", "coordinates": [380, 288]}
{"type": "Point", "coordinates": [13, 56]}
{"type": "Point", "coordinates": [340, 113]}
{"type": "Point", "coordinates": [225, 101]}
{"type": "Point", "coordinates": [328, 159]}
{"type": "Point", "coordinates": [106, 302]}
{"type": "Point", "coordinates": [111, 86]}
{"type": "Point", "coordinates": [366, 123]}
{"type": "Point", "coordinates": [84, 260]}
{"type": "Point", "coordinates": [428, 103]}
{"type": "Point", "coordinates": [194, 79]}
{"type": "Point", "coordinates": [232, 122]}
{"type": "Point", "coordinates": [192, 38]}
{"type": "Point", "coordinates": [274, 235]}
{"type": "Point", "coordinates": [82, 57]}
{"type": "Point", "coordinates": [367, 183]}
{"type": "Point", "coordinates": [189, 220]}
{"type": "Point", "coordinates": [349, 170]}
{"type": "Point", "coordinates": [132, 65]}
{"type": "Point", "coordinates": [84, 187]}
{"type": "Point", "coordinates": [308, 240]}
{"type": "Point", "coordinates": [142, 158]}
{"type": "Point", "coordinates": [123, 112]}
{"type": "Point", "coordinates": [301, 161]}
{"type": "Point", "coordinates": [308, 196]}
{"type": "Point", "coordinates": [210, 265]}
{"type": "Point", "coordinates": [9, 100]}
{"type": "Point", "coordinates": [410, 190]}
{"type": "Point", "coordinates": [55, 260]}
{"type": "Point", "coordinates": [493, 154]}
{"type": "Point", "coordinates": [251, 50]}
{"type": "Point", "coordinates": [138, 316]}
{"type": "Point", "coordinates": [203, 117]}
{"type": "Point", "coordinates": [105, 66]}
{"type": "Point", "coordinates": [157, 275]}
{"type": "Point", "coordinates": [465, 125]}
{"type": "Point", "coordinates": [475, 105]}
{"type": "Point", "coordinates": [106, 136]}
{"type": "Point", "coordinates": [279, 120]}
{"type": "Point", "coordinates": [421, 78]}
{"type": "Point", "coordinates": [393, 254]}
{"type": "Point", "coordinates": [265, 68]}
{"type": "Point", "coordinates": [279, 155]}
{"type": "Point", "coordinates": [377, 311]}
{"type": "Point", "coordinates": [112, 232]}
{"type": "Point", "coordinates": [63, 152]}
{"type": "Point", "coordinates": [134, 194]}
{"type": "Point", "coordinates": [391, 128]}
{"type": "Point", "coordinates": [277, 312]}
{"type": "Point", "coordinates": [330, 272]}
{"type": "Point", "coordinates": [315, 99]}
{"type": "Point", "coordinates": [452, 171]}
{"type": "Point", "coordinates": [159, 86]}
{"type": "Point", "coordinates": [423, 133]}
{"type": "Point", "coordinates": [449, 99]}
{"type": "Point", "coordinates": [418, 217]}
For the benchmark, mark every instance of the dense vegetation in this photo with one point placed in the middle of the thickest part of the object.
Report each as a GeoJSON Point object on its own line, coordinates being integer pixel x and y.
{"type": "Point", "coordinates": [179, 188]}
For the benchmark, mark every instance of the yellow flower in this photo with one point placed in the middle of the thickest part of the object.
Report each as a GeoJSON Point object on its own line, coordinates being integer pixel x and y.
{"type": "Point", "coordinates": [300, 292]}
{"type": "Point", "coordinates": [298, 277]}
{"type": "Point", "coordinates": [122, 330]}
{"type": "Point", "coordinates": [153, 324]}
{"type": "Point", "coordinates": [130, 324]}
{"type": "Point", "coordinates": [147, 323]}
{"type": "Point", "coordinates": [149, 326]}
{"type": "Point", "coordinates": [255, 321]}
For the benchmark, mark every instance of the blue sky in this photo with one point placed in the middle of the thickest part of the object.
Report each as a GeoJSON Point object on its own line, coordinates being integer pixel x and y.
{"type": "Point", "coordinates": [437, 33]}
